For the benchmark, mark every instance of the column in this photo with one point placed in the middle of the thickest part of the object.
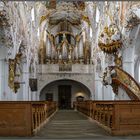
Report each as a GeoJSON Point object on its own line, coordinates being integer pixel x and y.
{"type": "Point", "coordinates": [26, 88]}
{"type": "Point", "coordinates": [128, 60]}
{"type": "Point", "coordinates": [98, 88]}
{"type": "Point", "coordinates": [2, 84]}
{"type": "Point", "coordinates": [108, 93]}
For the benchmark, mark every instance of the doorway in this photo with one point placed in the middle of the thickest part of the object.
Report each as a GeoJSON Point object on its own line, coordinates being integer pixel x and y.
{"type": "Point", "coordinates": [64, 96]}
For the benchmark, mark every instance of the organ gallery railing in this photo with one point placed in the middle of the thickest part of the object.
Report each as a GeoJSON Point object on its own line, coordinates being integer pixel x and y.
{"type": "Point", "coordinates": [117, 117]}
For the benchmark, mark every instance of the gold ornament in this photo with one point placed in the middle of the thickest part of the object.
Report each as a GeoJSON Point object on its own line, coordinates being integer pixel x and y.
{"type": "Point", "coordinates": [14, 85]}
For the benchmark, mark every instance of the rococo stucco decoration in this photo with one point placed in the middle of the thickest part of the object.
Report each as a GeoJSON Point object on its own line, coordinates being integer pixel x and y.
{"type": "Point", "coordinates": [62, 38]}
{"type": "Point", "coordinates": [14, 72]}
{"type": "Point", "coordinates": [110, 39]}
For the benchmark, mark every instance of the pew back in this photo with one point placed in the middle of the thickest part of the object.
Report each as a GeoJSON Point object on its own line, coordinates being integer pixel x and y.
{"type": "Point", "coordinates": [24, 118]}
{"type": "Point", "coordinates": [15, 119]}
{"type": "Point", "coordinates": [117, 117]}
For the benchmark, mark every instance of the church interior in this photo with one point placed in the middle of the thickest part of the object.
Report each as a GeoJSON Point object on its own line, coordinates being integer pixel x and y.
{"type": "Point", "coordinates": [70, 69]}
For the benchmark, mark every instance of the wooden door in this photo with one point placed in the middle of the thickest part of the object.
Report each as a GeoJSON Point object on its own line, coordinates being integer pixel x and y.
{"type": "Point", "coordinates": [64, 96]}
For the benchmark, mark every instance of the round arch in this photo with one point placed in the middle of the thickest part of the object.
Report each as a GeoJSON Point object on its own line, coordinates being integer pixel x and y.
{"type": "Point", "coordinates": [66, 90]}
{"type": "Point", "coordinates": [46, 81]}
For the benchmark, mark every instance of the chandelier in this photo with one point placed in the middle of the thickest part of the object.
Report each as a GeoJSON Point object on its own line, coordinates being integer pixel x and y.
{"type": "Point", "coordinates": [109, 39]}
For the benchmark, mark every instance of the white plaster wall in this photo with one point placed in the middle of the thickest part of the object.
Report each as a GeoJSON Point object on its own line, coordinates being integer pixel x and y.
{"type": "Point", "coordinates": [128, 61]}
{"type": "Point", "coordinates": [2, 80]}
{"type": "Point", "coordinates": [108, 93]}
{"type": "Point", "coordinates": [98, 88]}
{"type": "Point", "coordinates": [137, 59]}
{"type": "Point", "coordinates": [4, 89]}
{"type": "Point", "coordinates": [136, 69]}
{"type": "Point", "coordinates": [129, 50]}
{"type": "Point", "coordinates": [26, 88]}
{"type": "Point", "coordinates": [76, 68]}
{"type": "Point", "coordinates": [102, 92]}
{"type": "Point", "coordinates": [122, 95]}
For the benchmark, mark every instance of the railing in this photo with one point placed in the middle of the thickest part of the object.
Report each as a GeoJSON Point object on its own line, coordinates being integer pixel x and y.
{"type": "Point", "coordinates": [40, 112]}
{"type": "Point", "coordinates": [103, 113]}
{"type": "Point", "coordinates": [84, 107]}
{"type": "Point", "coordinates": [127, 82]}
{"type": "Point", "coordinates": [24, 118]}
{"type": "Point", "coordinates": [67, 68]}
{"type": "Point", "coordinates": [117, 117]}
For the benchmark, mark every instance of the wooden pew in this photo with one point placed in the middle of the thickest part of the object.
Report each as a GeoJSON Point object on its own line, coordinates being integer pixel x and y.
{"type": "Point", "coordinates": [117, 117]}
{"type": "Point", "coordinates": [24, 118]}
{"type": "Point", "coordinates": [41, 112]}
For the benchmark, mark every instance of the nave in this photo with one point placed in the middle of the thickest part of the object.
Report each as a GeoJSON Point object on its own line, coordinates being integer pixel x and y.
{"type": "Point", "coordinates": [46, 121]}
{"type": "Point", "coordinates": [71, 124]}
{"type": "Point", "coordinates": [80, 55]}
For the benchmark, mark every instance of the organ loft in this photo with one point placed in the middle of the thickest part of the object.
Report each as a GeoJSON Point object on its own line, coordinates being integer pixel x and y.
{"type": "Point", "coordinates": [65, 46]}
{"type": "Point", "coordinates": [63, 62]}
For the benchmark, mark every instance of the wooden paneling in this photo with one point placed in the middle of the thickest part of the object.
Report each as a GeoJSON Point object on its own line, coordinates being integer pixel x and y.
{"type": "Point", "coordinates": [24, 118]}
{"type": "Point", "coordinates": [15, 119]}
{"type": "Point", "coordinates": [117, 117]}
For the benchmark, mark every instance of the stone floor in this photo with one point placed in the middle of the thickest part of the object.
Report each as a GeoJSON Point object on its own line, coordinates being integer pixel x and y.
{"type": "Point", "coordinates": [69, 124]}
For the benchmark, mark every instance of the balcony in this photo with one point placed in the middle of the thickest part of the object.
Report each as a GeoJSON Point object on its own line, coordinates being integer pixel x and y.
{"type": "Point", "coordinates": [67, 68]}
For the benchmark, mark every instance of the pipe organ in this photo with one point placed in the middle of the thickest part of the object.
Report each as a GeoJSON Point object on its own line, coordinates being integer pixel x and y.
{"type": "Point", "coordinates": [64, 48]}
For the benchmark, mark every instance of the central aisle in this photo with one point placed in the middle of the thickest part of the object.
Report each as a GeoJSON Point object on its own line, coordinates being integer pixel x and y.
{"type": "Point", "coordinates": [71, 124]}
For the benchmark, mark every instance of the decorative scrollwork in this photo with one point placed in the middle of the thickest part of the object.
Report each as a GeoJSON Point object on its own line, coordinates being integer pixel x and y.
{"type": "Point", "coordinates": [14, 72]}
{"type": "Point", "coordinates": [132, 20]}
{"type": "Point", "coordinates": [109, 40]}
{"type": "Point", "coordinates": [127, 80]}
{"type": "Point", "coordinates": [121, 78]}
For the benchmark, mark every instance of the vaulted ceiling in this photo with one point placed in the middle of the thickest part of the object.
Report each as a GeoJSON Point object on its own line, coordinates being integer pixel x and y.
{"type": "Point", "coordinates": [65, 11]}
